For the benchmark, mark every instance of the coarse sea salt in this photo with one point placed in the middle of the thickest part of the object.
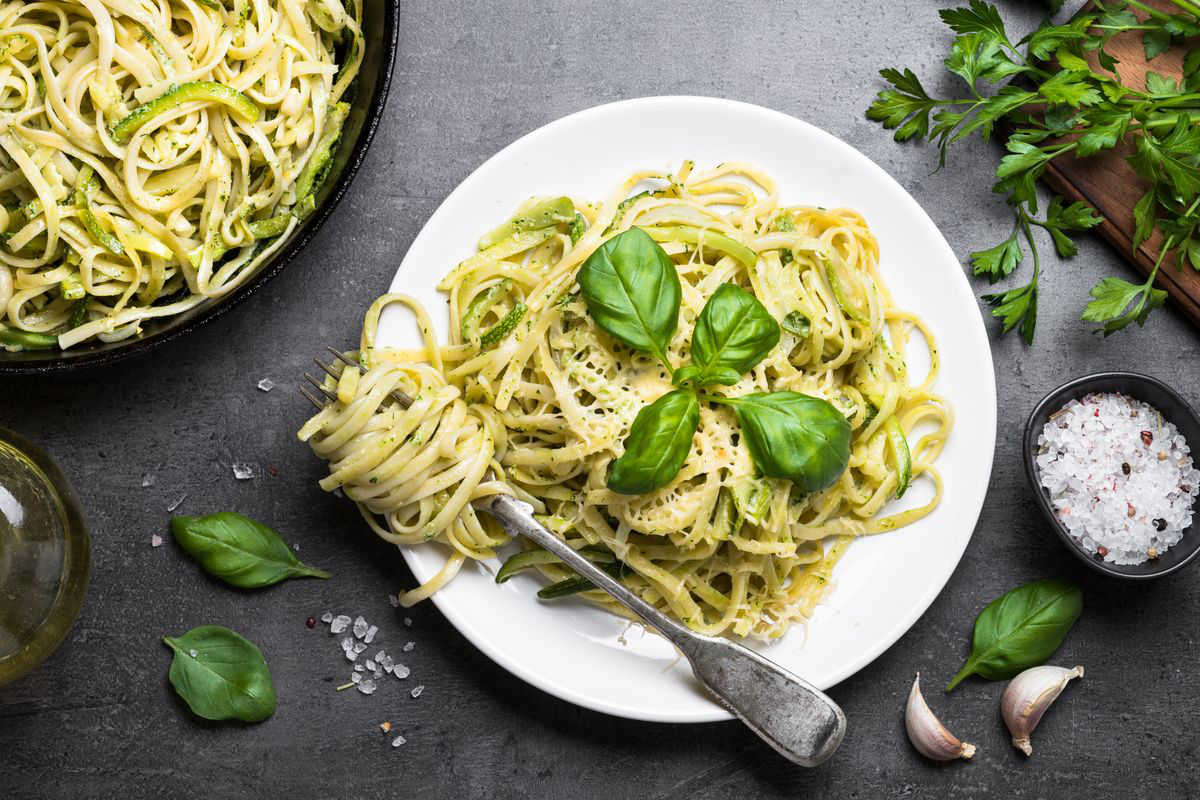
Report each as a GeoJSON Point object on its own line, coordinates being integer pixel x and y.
{"type": "Point", "coordinates": [1120, 477]}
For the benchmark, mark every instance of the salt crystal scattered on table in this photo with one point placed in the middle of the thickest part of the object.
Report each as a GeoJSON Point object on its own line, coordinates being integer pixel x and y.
{"type": "Point", "coordinates": [416, 692]}
{"type": "Point", "coordinates": [377, 674]}
{"type": "Point", "coordinates": [367, 686]}
{"type": "Point", "coordinates": [359, 668]}
{"type": "Point", "coordinates": [147, 480]}
{"type": "Point", "coordinates": [401, 671]}
{"type": "Point", "coordinates": [347, 643]}
{"type": "Point", "coordinates": [370, 635]}
{"type": "Point", "coordinates": [156, 541]}
{"type": "Point", "coordinates": [408, 647]}
{"type": "Point", "coordinates": [408, 622]}
{"type": "Point", "coordinates": [356, 677]}
{"type": "Point", "coordinates": [360, 627]}
{"type": "Point", "coordinates": [351, 655]}
{"type": "Point", "coordinates": [171, 508]}
{"type": "Point", "coordinates": [359, 647]}
{"type": "Point", "coordinates": [399, 740]}
{"type": "Point", "coordinates": [243, 471]}
{"type": "Point", "coordinates": [370, 663]}
{"type": "Point", "coordinates": [339, 624]}
{"type": "Point", "coordinates": [266, 384]}
{"type": "Point", "coordinates": [296, 547]}
{"type": "Point", "coordinates": [395, 601]}
{"type": "Point", "coordinates": [327, 617]}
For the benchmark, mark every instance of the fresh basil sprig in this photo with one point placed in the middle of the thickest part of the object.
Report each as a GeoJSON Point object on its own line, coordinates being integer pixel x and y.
{"type": "Point", "coordinates": [632, 291]}
{"type": "Point", "coordinates": [733, 333]}
{"type": "Point", "coordinates": [221, 675]}
{"type": "Point", "coordinates": [794, 436]}
{"type": "Point", "coordinates": [240, 551]}
{"type": "Point", "coordinates": [1021, 629]}
{"type": "Point", "coordinates": [658, 443]}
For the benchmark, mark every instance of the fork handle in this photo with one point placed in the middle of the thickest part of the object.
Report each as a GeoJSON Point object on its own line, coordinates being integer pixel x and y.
{"type": "Point", "coordinates": [789, 713]}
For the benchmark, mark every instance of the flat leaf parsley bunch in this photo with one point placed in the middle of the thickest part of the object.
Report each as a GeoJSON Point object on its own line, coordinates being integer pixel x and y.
{"type": "Point", "coordinates": [1059, 105]}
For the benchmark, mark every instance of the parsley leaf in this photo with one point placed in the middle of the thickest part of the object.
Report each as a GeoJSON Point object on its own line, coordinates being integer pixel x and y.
{"type": "Point", "coordinates": [999, 261]}
{"type": "Point", "coordinates": [1116, 303]}
{"type": "Point", "coordinates": [1016, 308]}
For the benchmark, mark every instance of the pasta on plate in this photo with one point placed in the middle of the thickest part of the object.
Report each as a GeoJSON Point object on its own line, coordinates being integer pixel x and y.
{"type": "Point", "coordinates": [534, 395]}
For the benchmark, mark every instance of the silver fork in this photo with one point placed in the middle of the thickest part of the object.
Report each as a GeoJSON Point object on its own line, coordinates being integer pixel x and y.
{"type": "Point", "coordinates": [789, 713]}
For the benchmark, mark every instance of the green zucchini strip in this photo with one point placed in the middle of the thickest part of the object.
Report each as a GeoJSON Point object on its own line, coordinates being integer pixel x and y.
{"type": "Point", "coordinates": [702, 237]}
{"type": "Point", "coordinates": [900, 453]}
{"type": "Point", "coordinates": [557, 211]}
{"type": "Point", "coordinates": [85, 184]}
{"type": "Point", "coordinates": [314, 172]}
{"type": "Point", "coordinates": [531, 558]}
{"type": "Point", "coordinates": [27, 340]}
{"type": "Point", "coordinates": [202, 91]}
{"type": "Point", "coordinates": [577, 583]}
{"type": "Point", "coordinates": [495, 334]}
{"type": "Point", "coordinates": [478, 308]}
{"type": "Point", "coordinates": [842, 295]}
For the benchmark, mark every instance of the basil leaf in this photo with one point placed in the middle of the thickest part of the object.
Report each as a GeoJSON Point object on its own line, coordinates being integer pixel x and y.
{"type": "Point", "coordinates": [221, 675]}
{"type": "Point", "coordinates": [1021, 629]}
{"type": "Point", "coordinates": [632, 291]}
{"type": "Point", "coordinates": [733, 333]}
{"type": "Point", "coordinates": [658, 444]}
{"type": "Point", "coordinates": [240, 551]}
{"type": "Point", "coordinates": [791, 435]}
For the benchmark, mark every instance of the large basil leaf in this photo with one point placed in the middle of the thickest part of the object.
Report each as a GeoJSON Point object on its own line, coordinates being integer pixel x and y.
{"type": "Point", "coordinates": [240, 551]}
{"type": "Point", "coordinates": [733, 333]}
{"type": "Point", "coordinates": [658, 444]}
{"type": "Point", "coordinates": [221, 675]}
{"type": "Point", "coordinates": [632, 291]}
{"type": "Point", "coordinates": [794, 436]}
{"type": "Point", "coordinates": [1021, 629]}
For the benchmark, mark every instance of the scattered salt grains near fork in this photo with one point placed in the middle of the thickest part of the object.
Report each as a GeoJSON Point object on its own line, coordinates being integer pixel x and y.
{"type": "Point", "coordinates": [177, 503]}
{"type": "Point", "coordinates": [367, 686]}
{"type": "Point", "coordinates": [242, 471]}
{"type": "Point", "coordinates": [327, 617]}
{"type": "Point", "coordinates": [360, 627]}
{"type": "Point", "coordinates": [339, 624]}
{"type": "Point", "coordinates": [399, 740]}
{"type": "Point", "coordinates": [156, 541]}
{"type": "Point", "coordinates": [371, 665]}
{"type": "Point", "coordinates": [359, 647]}
{"type": "Point", "coordinates": [417, 690]}
{"type": "Point", "coordinates": [1120, 477]}
{"type": "Point", "coordinates": [401, 671]}
{"type": "Point", "coordinates": [408, 647]}
{"type": "Point", "coordinates": [266, 385]}
{"type": "Point", "coordinates": [369, 636]}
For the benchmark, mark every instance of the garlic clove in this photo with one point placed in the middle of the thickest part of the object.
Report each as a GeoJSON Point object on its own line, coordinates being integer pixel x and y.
{"type": "Point", "coordinates": [927, 733]}
{"type": "Point", "coordinates": [1027, 697]}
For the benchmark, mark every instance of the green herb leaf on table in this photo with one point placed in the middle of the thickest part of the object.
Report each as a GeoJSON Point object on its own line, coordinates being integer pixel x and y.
{"type": "Point", "coordinates": [632, 291]}
{"type": "Point", "coordinates": [793, 436]}
{"type": "Point", "coordinates": [1021, 629]}
{"type": "Point", "coordinates": [240, 551]}
{"type": "Point", "coordinates": [1078, 216]}
{"type": "Point", "coordinates": [658, 444]}
{"type": "Point", "coordinates": [1016, 308]}
{"type": "Point", "coordinates": [1116, 303]}
{"type": "Point", "coordinates": [733, 333]}
{"type": "Point", "coordinates": [221, 675]}
{"type": "Point", "coordinates": [999, 261]}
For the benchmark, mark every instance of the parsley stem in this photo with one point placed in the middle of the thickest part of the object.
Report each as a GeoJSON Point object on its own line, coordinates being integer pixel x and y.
{"type": "Point", "coordinates": [1188, 6]}
{"type": "Point", "coordinates": [1153, 12]}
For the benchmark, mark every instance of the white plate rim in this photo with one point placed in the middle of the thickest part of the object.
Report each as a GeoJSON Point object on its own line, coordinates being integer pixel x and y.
{"type": "Point", "coordinates": [958, 287]}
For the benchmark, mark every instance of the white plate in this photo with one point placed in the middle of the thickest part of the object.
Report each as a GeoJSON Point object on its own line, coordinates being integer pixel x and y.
{"type": "Point", "coordinates": [883, 584]}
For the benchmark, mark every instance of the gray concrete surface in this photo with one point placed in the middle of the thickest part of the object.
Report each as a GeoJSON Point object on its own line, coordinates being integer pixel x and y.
{"type": "Point", "coordinates": [100, 720]}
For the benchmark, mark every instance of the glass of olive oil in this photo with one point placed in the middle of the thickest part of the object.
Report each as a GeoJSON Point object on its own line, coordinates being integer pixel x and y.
{"type": "Point", "coordinates": [44, 556]}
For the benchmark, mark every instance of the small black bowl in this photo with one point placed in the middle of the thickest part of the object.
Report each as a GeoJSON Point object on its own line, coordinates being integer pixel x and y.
{"type": "Point", "coordinates": [381, 26]}
{"type": "Point", "coordinates": [1173, 408]}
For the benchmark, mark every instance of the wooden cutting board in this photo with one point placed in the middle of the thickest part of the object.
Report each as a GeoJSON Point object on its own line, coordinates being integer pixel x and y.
{"type": "Point", "coordinates": [1109, 184]}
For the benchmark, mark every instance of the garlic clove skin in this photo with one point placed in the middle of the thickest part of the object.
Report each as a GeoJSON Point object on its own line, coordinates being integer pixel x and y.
{"type": "Point", "coordinates": [927, 734]}
{"type": "Point", "coordinates": [1027, 697]}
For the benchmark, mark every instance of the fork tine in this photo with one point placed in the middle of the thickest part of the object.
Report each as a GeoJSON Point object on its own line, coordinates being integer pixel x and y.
{"type": "Point", "coordinates": [304, 391]}
{"type": "Point", "coordinates": [396, 394]}
{"type": "Point", "coordinates": [340, 356]}
{"type": "Point", "coordinates": [327, 368]}
{"type": "Point", "coordinates": [320, 387]}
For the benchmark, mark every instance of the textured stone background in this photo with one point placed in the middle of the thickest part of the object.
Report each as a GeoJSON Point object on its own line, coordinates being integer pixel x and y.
{"type": "Point", "coordinates": [100, 720]}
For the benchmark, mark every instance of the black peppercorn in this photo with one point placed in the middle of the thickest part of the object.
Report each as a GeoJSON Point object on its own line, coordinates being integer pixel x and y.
{"type": "Point", "coordinates": [1160, 524]}
{"type": "Point", "coordinates": [1125, 468]}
